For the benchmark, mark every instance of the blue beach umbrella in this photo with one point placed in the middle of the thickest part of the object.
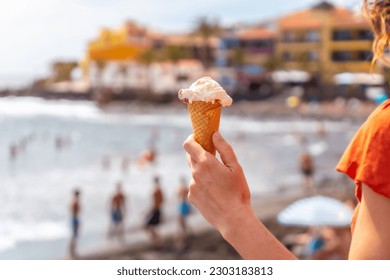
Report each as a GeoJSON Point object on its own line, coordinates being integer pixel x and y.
{"type": "Point", "coordinates": [316, 211]}
{"type": "Point", "coordinates": [381, 98]}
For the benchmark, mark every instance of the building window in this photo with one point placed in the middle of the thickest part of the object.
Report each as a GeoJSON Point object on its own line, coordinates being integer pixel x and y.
{"type": "Point", "coordinates": [182, 78]}
{"type": "Point", "coordinates": [364, 56]}
{"type": "Point", "coordinates": [196, 53]}
{"type": "Point", "coordinates": [365, 34]}
{"type": "Point", "coordinates": [263, 44]}
{"type": "Point", "coordinates": [312, 36]}
{"type": "Point", "coordinates": [242, 44]}
{"type": "Point", "coordinates": [158, 44]}
{"type": "Point", "coordinates": [228, 43]}
{"type": "Point", "coordinates": [341, 56]}
{"type": "Point", "coordinates": [222, 45]}
{"type": "Point", "coordinates": [221, 61]}
{"type": "Point", "coordinates": [312, 56]}
{"type": "Point", "coordinates": [256, 45]}
{"type": "Point", "coordinates": [288, 36]}
{"type": "Point", "coordinates": [342, 35]}
{"type": "Point", "coordinates": [287, 56]}
{"type": "Point", "coordinates": [231, 43]}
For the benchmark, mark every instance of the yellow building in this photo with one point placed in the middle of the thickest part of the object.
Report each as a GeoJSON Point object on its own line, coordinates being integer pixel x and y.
{"type": "Point", "coordinates": [134, 43]}
{"type": "Point", "coordinates": [325, 40]}
{"type": "Point", "coordinates": [123, 44]}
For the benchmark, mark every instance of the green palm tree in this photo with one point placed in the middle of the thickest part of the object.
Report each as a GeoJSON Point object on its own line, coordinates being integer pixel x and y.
{"type": "Point", "coordinates": [238, 57]}
{"type": "Point", "coordinates": [206, 28]}
{"type": "Point", "coordinates": [147, 57]}
{"type": "Point", "coordinates": [175, 53]}
{"type": "Point", "coordinates": [272, 63]}
{"type": "Point", "coordinates": [62, 71]}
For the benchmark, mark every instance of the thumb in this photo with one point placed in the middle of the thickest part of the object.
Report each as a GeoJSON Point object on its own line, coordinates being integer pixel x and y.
{"type": "Point", "coordinates": [225, 150]}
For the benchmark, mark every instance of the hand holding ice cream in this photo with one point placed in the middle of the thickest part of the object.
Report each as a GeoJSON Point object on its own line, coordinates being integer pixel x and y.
{"type": "Point", "coordinates": [205, 98]}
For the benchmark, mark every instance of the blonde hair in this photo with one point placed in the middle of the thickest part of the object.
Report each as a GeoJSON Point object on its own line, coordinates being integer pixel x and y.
{"type": "Point", "coordinates": [378, 12]}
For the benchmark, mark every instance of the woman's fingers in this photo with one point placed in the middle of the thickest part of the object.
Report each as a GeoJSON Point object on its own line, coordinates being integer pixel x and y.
{"type": "Point", "coordinates": [194, 150]}
{"type": "Point", "coordinates": [225, 150]}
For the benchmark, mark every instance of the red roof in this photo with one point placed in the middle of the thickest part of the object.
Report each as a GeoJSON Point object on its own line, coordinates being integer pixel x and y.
{"type": "Point", "coordinates": [311, 18]}
{"type": "Point", "coordinates": [256, 33]}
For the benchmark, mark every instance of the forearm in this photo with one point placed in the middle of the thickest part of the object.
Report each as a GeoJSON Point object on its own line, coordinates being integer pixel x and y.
{"type": "Point", "coordinates": [253, 241]}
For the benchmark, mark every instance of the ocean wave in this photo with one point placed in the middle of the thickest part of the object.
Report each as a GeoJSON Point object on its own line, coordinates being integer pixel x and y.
{"type": "Point", "coordinates": [318, 148]}
{"type": "Point", "coordinates": [27, 107]}
{"type": "Point", "coordinates": [279, 126]}
{"type": "Point", "coordinates": [6, 243]}
{"type": "Point", "coordinates": [14, 232]}
{"type": "Point", "coordinates": [35, 106]}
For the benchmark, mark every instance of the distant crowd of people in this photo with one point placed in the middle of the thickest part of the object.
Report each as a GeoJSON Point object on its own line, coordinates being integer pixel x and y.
{"type": "Point", "coordinates": [19, 147]}
{"type": "Point", "coordinates": [119, 209]}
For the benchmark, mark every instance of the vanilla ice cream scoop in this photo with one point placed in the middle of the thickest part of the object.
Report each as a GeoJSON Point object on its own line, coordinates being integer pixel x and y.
{"type": "Point", "coordinates": [206, 90]}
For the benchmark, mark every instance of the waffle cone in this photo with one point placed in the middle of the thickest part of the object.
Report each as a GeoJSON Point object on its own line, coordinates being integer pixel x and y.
{"type": "Point", "coordinates": [205, 118]}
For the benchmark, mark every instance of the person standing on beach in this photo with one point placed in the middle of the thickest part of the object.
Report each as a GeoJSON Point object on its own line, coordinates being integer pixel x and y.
{"type": "Point", "coordinates": [307, 169]}
{"type": "Point", "coordinates": [75, 221]}
{"type": "Point", "coordinates": [125, 162]}
{"type": "Point", "coordinates": [148, 157]}
{"type": "Point", "coordinates": [13, 151]}
{"type": "Point", "coordinates": [221, 193]}
{"type": "Point", "coordinates": [320, 130]}
{"type": "Point", "coordinates": [154, 216]}
{"type": "Point", "coordinates": [184, 209]}
{"type": "Point", "coordinates": [117, 211]}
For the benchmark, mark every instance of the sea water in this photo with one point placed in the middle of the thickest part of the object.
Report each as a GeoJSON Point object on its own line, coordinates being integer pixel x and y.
{"type": "Point", "coordinates": [36, 186]}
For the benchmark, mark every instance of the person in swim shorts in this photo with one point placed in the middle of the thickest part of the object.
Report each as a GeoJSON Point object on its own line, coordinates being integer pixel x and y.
{"type": "Point", "coordinates": [75, 222]}
{"type": "Point", "coordinates": [117, 211]}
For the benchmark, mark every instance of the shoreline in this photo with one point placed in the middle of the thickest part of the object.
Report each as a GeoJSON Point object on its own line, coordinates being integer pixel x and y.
{"type": "Point", "coordinates": [270, 108]}
{"type": "Point", "coordinates": [265, 109]}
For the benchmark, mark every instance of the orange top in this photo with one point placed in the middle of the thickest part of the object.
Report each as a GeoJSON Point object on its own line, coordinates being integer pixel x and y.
{"type": "Point", "coordinates": [367, 157]}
